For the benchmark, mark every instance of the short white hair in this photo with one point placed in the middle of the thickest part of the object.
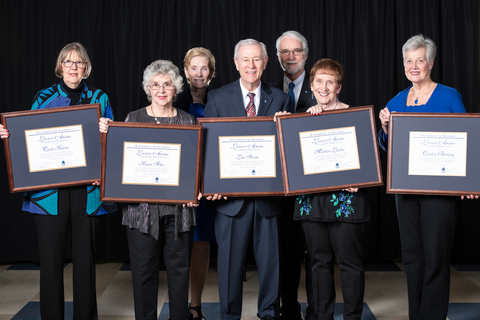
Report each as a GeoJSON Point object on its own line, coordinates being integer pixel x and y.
{"type": "Point", "coordinates": [295, 35]}
{"type": "Point", "coordinates": [420, 41]}
{"type": "Point", "coordinates": [163, 67]}
{"type": "Point", "coordinates": [248, 42]}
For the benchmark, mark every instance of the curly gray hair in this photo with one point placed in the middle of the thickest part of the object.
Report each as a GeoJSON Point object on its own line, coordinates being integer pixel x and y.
{"type": "Point", "coordinates": [163, 67]}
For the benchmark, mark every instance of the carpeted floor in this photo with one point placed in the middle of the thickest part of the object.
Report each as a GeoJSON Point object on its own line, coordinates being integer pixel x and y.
{"type": "Point", "coordinates": [385, 293]}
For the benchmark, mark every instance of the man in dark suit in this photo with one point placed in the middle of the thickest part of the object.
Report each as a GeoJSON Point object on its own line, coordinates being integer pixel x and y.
{"type": "Point", "coordinates": [292, 52]}
{"type": "Point", "coordinates": [237, 219]}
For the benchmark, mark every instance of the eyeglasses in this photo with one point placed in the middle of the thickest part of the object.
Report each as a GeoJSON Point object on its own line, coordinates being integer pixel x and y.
{"type": "Point", "coordinates": [286, 53]}
{"type": "Point", "coordinates": [166, 86]}
{"type": "Point", "coordinates": [69, 63]}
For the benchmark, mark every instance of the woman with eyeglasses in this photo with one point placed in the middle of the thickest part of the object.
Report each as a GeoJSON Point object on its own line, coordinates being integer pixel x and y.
{"type": "Point", "coordinates": [159, 230]}
{"type": "Point", "coordinates": [68, 215]}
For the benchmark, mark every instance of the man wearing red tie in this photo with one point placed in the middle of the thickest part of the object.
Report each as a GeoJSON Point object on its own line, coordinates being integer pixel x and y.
{"type": "Point", "coordinates": [239, 219]}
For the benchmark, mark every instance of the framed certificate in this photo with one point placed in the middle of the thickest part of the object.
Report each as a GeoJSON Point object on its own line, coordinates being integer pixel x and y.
{"type": "Point", "coordinates": [153, 163]}
{"type": "Point", "coordinates": [241, 157]}
{"type": "Point", "coordinates": [52, 148]}
{"type": "Point", "coordinates": [336, 150]}
{"type": "Point", "coordinates": [433, 153]}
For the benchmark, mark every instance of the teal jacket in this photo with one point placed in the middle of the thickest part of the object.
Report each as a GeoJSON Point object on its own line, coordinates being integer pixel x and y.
{"type": "Point", "coordinates": [46, 201]}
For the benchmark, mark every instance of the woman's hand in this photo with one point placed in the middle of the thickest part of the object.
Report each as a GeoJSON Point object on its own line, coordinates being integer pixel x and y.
{"type": "Point", "coordinates": [3, 132]}
{"type": "Point", "coordinates": [191, 204]}
{"type": "Point", "coordinates": [216, 196]}
{"type": "Point", "coordinates": [384, 119]}
{"type": "Point", "coordinates": [351, 190]}
{"type": "Point", "coordinates": [279, 113]}
{"type": "Point", "coordinates": [315, 110]}
{"type": "Point", "coordinates": [471, 196]}
{"type": "Point", "coordinates": [96, 183]}
{"type": "Point", "coordinates": [103, 125]}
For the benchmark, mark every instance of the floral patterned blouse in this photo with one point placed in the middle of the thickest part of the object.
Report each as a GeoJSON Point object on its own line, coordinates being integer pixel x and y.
{"type": "Point", "coordinates": [336, 206]}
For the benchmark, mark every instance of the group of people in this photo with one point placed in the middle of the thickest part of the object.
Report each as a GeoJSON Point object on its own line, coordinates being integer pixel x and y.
{"type": "Point", "coordinates": [318, 228]}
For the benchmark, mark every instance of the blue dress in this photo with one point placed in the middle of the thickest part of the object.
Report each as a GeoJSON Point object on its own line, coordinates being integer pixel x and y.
{"type": "Point", "coordinates": [204, 229]}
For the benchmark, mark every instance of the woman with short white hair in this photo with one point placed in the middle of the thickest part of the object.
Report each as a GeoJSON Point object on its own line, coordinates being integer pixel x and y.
{"type": "Point", "coordinates": [426, 222]}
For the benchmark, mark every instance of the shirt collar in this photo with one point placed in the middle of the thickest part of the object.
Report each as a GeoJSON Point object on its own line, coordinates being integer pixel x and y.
{"type": "Point", "coordinates": [298, 82]}
{"type": "Point", "coordinates": [256, 91]}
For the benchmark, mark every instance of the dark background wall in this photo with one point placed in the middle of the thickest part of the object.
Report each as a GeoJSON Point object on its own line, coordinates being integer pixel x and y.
{"type": "Point", "coordinates": [124, 36]}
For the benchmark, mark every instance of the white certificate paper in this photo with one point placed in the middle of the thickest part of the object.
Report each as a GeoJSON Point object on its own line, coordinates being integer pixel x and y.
{"type": "Point", "coordinates": [329, 150]}
{"type": "Point", "coordinates": [151, 163]}
{"type": "Point", "coordinates": [247, 157]}
{"type": "Point", "coordinates": [55, 148]}
{"type": "Point", "coordinates": [437, 153]}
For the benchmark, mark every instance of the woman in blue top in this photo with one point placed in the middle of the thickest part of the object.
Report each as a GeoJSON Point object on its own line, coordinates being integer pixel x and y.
{"type": "Point", "coordinates": [199, 67]}
{"type": "Point", "coordinates": [68, 215]}
{"type": "Point", "coordinates": [426, 223]}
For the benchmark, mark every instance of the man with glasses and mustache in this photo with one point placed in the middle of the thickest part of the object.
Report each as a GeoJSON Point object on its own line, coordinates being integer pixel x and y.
{"type": "Point", "coordinates": [292, 52]}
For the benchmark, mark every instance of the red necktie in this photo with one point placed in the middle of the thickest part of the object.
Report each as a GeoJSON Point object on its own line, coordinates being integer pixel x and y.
{"type": "Point", "coordinates": [251, 112]}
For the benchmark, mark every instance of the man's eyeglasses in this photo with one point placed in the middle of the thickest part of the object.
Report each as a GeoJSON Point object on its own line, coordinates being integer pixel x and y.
{"type": "Point", "coordinates": [296, 52]}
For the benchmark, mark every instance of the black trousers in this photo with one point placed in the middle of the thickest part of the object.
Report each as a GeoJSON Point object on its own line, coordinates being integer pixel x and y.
{"type": "Point", "coordinates": [53, 238]}
{"type": "Point", "coordinates": [145, 260]}
{"type": "Point", "coordinates": [343, 241]}
{"type": "Point", "coordinates": [427, 225]}
{"type": "Point", "coordinates": [292, 252]}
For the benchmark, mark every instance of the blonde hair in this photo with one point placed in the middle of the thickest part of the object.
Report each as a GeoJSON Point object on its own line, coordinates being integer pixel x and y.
{"type": "Point", "coordinates": [201, 52]}
{"type": "Point", "coordinates": [81, 52]}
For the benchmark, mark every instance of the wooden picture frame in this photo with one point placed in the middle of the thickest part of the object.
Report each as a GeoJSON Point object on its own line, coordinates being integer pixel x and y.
{"type": "Point", "coordinates": [44, 142]}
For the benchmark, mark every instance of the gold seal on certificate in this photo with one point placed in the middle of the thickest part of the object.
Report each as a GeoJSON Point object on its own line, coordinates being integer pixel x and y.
{"type": "Point", "coordinates": [437, 153]}
{"type": "Point", "coordinates": [55, 148]}
{"type": "Point", "coordinates": [151, 163]}
{"type": "Point", "coordinates": [247, 157]}
{"type": "Point", "coordinates": [329, 150]}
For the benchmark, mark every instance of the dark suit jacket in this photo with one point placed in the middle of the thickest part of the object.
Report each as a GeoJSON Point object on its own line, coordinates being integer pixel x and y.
{"type": "Point", "coordinates": [185, 98]}
{"type": "Point", "coordinates": [306, 99]}
{"type": "Point", "coordinates": [227, 101]}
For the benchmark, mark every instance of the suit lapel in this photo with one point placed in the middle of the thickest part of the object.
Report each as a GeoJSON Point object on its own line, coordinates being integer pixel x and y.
{"type": "Point", "coordinates": [237, 100]}
{"type": "Point", "coordinates": [265, 100]}
{"type": "Point", "coordinates": [305, 93]}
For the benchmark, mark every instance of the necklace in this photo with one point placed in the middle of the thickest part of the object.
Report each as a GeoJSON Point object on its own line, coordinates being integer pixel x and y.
{"type": "Point", "coordinates": [171, 117]}
{"type": "Point", "coordinates": [418, 96]}
{"type": "Point", "coordinates": [335, 107]}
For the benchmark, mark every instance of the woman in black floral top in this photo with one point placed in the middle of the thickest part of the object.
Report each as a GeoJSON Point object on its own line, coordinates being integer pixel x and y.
{"type": "Point", "coordinates": [334, 222]}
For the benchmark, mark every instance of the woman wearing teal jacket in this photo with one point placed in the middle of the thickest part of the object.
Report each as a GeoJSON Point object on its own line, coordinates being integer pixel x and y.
{"type": "Point", "coordinates": [68, 215]}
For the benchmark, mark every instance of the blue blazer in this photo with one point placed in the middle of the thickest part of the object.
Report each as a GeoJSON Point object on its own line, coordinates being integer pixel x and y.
{"type": "Point", "coordinates": [227, 101]}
